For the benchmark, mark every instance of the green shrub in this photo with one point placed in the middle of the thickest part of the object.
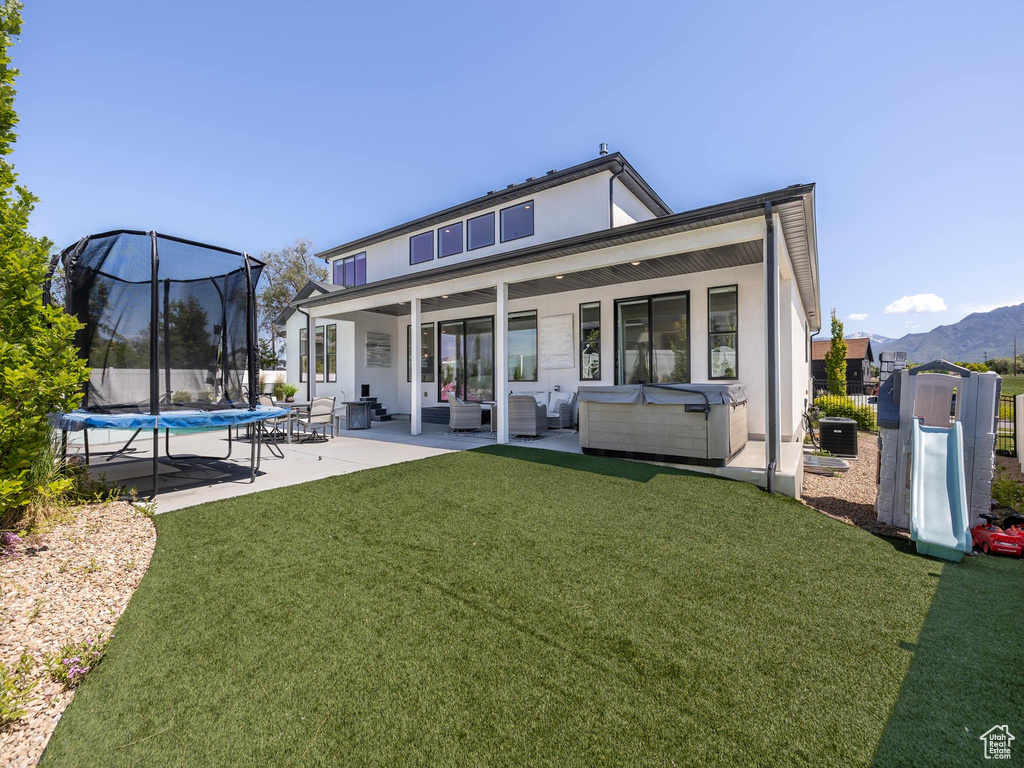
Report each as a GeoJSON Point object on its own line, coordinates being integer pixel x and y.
{"type": "Point", "coordinates": [844, 407]}
{"type": "Point", "coordinates": [181, 397]}
{"type": "Point", "coordinates": [279, 391]}
{"type": "Point", "coordinates": [1008, 492]}
{"type": "Point", "coordinates": [15, 688]}
{"type": "Point", "coordinates": [40, 371]}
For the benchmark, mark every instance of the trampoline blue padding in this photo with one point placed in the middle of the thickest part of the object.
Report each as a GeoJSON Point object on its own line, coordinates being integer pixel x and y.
{"type": "Point", "coordinates": [228, 417]}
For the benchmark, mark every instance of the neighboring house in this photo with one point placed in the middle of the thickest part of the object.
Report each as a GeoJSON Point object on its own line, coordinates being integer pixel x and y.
{"type": "Point", "coordinates": [859, 357]}
{"type": "Point", "coordinates": [576, 277]}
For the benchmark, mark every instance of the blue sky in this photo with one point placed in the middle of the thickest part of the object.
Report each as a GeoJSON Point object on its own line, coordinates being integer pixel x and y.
{"type": "Point", "coordinates": [250, 124]}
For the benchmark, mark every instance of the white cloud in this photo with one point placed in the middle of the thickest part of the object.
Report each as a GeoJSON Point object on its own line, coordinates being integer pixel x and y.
{"type": "Point", "coordinates": [858, 315]}
{"type": "Point", "coordinates": [919, 303]}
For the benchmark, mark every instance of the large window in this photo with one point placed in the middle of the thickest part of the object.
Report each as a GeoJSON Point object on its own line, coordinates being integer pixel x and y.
{"type": "Point", "coordinates": [517, 221]}
{"type": "Point", "coordinates": [303, 354]}
{"type": "Point", "coordinates": [427, 352]}
{"type": "Point", "coordinates": [652, 339]}
{"type": "Point", "coordinates": [480, 231]}
{"type": "Point", "coordinates": [723, 332]}
{"type": "Point", "coordinates": [421, 248]}
{"type": "Point", "coordinates": [522, 346]}
{"type": "Point", "coordinates": [449, 240]}
{"type": "Point", "coordinates": [590, 341]}
{"type": "Point", "coordinates": [465, 351]}
{"type": "Point", "coordinates": [351, 271]}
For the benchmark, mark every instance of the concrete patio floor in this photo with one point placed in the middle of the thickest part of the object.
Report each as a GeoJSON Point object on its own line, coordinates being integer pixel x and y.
{"type": "Point", "coordinates": [185, 483]}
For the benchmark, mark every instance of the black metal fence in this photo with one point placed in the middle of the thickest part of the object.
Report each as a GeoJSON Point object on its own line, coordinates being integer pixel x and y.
{"type": "Point", "coordinates": [851, 400]}
{"type": "Point", "coordinates": [1006, 426]}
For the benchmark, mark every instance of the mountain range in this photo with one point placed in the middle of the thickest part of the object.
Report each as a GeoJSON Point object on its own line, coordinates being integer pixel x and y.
{"type": "Point", "coordinates": [978, 336]}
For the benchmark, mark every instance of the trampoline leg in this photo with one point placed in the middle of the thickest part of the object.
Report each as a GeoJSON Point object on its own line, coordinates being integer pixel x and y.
{"type": "Point", "coordinates": [85, 434]}
{"type": "Point", "coordinates": [64, 445]}
{"type": "Point", "coordinates": [156, 457]}
{"type": "Point", "coordinates": [252, 461]}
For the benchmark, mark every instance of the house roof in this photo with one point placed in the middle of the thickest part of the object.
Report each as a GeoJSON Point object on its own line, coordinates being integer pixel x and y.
{"type": "Point", "coordinates": [614, 162]}
{"type": "Point", "coordinates": [311, 288]}
{"type": "Point", "coordinates": [856, 349]}
{"type": "Point", "coordinates": [794, 204]}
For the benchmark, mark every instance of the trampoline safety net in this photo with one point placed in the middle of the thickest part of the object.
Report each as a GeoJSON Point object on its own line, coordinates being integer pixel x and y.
{"type": "Point", "coordinates": [201, 300]}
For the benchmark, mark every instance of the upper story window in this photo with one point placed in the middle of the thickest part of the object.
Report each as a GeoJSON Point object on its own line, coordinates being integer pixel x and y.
{"type": "Point", "coordinates": [350, 271]}
{"type": "Point", "coordinates": [517, 221]}
{"type": "Point", "coordinates": [481, 231]}
{"type": "Point", "coordinates": [449, 240]}
{"type": "Point", "coordinates": [421, 248]}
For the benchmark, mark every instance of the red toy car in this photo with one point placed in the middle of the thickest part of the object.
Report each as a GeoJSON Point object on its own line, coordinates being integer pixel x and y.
{"type": "Point", "coordinates": [991, 538]}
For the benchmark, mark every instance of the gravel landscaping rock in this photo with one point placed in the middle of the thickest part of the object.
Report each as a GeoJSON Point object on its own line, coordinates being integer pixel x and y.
{"type": "Point", "coordinates": [66, 585]}
{"type": "Point", "coordinates": [850, 496]}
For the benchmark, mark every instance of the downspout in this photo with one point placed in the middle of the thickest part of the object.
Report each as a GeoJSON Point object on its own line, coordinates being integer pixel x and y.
{"type": "Point", "coordinates": [772, 304]}
{"type": "Point", "coordinates": [611, 196]}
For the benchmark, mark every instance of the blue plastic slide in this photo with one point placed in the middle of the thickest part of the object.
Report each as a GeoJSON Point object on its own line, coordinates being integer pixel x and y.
{"type": "Point", "coordinates": [939, 518]}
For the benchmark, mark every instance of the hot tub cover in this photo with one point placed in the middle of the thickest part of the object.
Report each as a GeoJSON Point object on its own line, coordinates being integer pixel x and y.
{"type": "Point", "coordinates": [226, 417]}
{"type": "Point", "coordinates": [665, 394]}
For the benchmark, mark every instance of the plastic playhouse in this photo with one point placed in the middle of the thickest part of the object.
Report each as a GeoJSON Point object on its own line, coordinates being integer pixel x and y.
{"type": "Point", "coordinates": [937, 454]}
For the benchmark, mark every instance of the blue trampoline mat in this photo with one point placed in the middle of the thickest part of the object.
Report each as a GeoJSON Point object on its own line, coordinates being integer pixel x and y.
{"type": "Point", "coordinates": [229, 417]}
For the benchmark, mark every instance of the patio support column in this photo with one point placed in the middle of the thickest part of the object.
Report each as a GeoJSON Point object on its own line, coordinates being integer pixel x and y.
{"type": "Point", "coordinates": [501, 361]}
{"type": "Point", "coordinates": [415, 361]}
{"type": "Point", "coordinates": [772, 438]}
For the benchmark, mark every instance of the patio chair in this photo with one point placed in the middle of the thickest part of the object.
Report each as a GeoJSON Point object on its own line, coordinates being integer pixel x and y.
{"type": "Point", "coordinates": [526, 416]}
{"type": "Point", "coordinates": [317, 420]}
{"type": "Point", "coordinates": [563, 412]}
{"type": "Point", "coordinates": [273, 429]}
{"type": "Point", "coordinates": [463, 415]}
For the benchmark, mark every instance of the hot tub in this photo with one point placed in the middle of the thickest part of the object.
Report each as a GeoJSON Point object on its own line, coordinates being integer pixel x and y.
{"type": "Point", "coordinates": [685, 423]}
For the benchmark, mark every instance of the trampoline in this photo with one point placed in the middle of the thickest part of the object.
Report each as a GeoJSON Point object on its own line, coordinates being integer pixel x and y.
{"type": "Point", "coordinates": [169, 332]}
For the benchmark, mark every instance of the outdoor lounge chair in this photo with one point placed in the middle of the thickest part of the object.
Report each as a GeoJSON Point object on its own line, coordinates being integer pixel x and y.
{"type": "Point", "coordinates": [526, 416]}
{"type": "Point", "coordinates": [316, 422]}
{"type": "Point", "coordinates": [463, 415]}
{"type": "Point", "coordinates": [562, 413]}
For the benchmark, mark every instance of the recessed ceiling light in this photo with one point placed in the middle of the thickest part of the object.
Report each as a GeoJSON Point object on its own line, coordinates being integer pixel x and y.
{"type": "Point", "coordinates": [444, 295]}
{"type": "Point", "coordinates": [526, 207]}
{"type": "Point", "coordinates": [559, 277]}
{"type": "Point", "coordinates": [635, 263]}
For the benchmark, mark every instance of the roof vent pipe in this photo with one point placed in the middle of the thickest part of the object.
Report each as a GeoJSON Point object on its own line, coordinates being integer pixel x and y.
{"type": "Point", "coordinates": [604, 149]}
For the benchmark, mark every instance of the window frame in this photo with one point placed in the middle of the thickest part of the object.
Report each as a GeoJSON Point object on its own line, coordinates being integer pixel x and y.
{"type": "Point", "coordinates": [408, 349]}
{"type": "Point", "coordinates": [303, 354]}
{"type": "Point", "coordinates": [736, 333]}
{"type": "Point", "coordinates": [469, 246]}
{"type": "Point", "coordinates": [536, 344]}
{"type": "Point", "coordinates": [330, 372]}
{"type": "Point", "coordinates": [462, 240]}
{"type": "Point", "coordinates": [650, 322]}
{"type": "Point", "coordinates": [579, 325]}
{"type": "Point", "coordinates": [430, 237]}
{"type": "Point", "coordinates": [354, 258]}
{"type": "Point", "coordinates": [501, 221]}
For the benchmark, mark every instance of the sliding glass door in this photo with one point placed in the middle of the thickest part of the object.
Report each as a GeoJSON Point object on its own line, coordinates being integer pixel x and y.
{"type": "Point", "coordinates": [652, 339]}
{"type": "Point", "coordinates": [466, 359]}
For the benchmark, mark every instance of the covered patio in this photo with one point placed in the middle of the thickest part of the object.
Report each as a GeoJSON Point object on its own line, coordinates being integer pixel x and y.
{"type": "Point", "coordinates": [760, 248]}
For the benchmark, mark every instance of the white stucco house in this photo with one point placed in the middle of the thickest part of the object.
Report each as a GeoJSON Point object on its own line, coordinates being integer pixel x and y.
{"type": "Point", "coordinates": [728, 292]}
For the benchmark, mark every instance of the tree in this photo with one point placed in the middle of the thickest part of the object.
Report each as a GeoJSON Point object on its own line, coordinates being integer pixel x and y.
{"type": "Point", "coordinates": [269, 359]}
{"type": "Point", "coordinates": [835, 359]}
{"type": "Point", "coordinates": [286, 273]}
{"type": "Point", "coordinates": [40, 372]}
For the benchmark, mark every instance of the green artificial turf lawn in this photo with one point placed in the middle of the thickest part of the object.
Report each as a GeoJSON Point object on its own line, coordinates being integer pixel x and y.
{"type": "Point", "coordinates": [514, 606]}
